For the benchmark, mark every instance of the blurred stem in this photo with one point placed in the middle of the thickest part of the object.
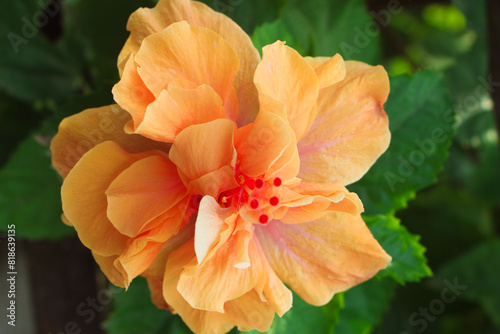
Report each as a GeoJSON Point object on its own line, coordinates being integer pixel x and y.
{"type": "Point", "coordinates": [493, 13]}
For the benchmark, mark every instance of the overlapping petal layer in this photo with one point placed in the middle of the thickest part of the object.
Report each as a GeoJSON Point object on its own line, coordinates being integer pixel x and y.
{"type": "Point", "coordinates": [351, 128]}
{"type": "Point", "coordinates": [147, 21]}
{"type": "Point", "coordinates": [320, 258]}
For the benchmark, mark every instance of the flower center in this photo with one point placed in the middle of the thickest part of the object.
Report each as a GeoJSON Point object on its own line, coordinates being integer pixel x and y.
{"type": "Point", "coordinates": [255, 192]}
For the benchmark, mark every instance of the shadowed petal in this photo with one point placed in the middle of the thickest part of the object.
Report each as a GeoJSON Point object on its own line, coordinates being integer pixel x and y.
{"type": "Point", "coordinates": [132, 94]}
{"type": "Point", "coordinates": [81, 132]}
{"type": "Point", "coordinates": [142, 192]}
{"type": "Point", "coordinates": [262, 143]}
{"type": "Point", "coordinates": [84, 200]}
{"type": "Point", "coordinates": [177, 108]}
{"type": "Point", "coordinates": [204, 148]}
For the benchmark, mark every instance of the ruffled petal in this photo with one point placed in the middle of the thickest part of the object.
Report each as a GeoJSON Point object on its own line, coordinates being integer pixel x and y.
{"type": "Point", "coordinates": [84, 201]}
{"type": "Point", "coordinates": [132, 94]}
{"type": "Point", "coordinates": [193, 53]}
{"type": "Point", "coordinates": [323, 257]}
{"type": "Point", "coordinates": [177, 108]}
{"type": "Point", "coordinates": [318, 199]}
{"type": "Point", "coordinates": [351, 128]}
{"type": "Point", "coordinates": [262, 143]}
{"type": "Point", "coordinates": [147, 21]}
{"type": "Point", "coordinates": [143, 192]}
{"type": "Point", "coordinates": [137, 257]}
{"type": "Point", "coordinates": [247, 311]}
{"type": "Point", "coordinates": [81, 132]}
{"type": "Point", "coordinates": [329, 70]}
{"type": "Point", "coordinates": [156, 269]}
{"type": "Point", "coordinates": [286, 77]}
{"type": "Point", "coordinates": [106, 263]}
{"type": "Point", "coordinates": [204, 148]}
{"type": "Point", "coordinates": [210, 286]}
{"type": "Point", "coordinates": [213, 183]}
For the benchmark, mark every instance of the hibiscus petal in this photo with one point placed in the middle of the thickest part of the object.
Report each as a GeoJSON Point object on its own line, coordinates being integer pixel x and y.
{"type": "Point", "coordinates": [146, 21]}
{"type": "Point", "coordinates": [156, 289]}
{"type": "Point", "coordinates": [193, 53]}
{"type": "Point", "coordinates": [249, 312]}
{"type": "Point", "coordinates": [260, 145]}
{"type": "Point", "coordinates": [142, 192]}
{"type": "Point", "coordinates": [217, 281]}
{"type": "Point", "coordinates": [329, 70]}
{"type": "Point", "coordinates": [246, 312]}
{"type": "Point", "coordinates": [131, 93]}
{"type": "Point", "coordinates": [81, 132]}
{"type": "Point", "coordinates": [84, 201]}
{"type": "Point", "coordinates": [322, 197]}
{"type": "Point", "coordinates": [141, 251]}
{"type": "Point", "coordinates": [285, 76]}
{"type": "Point", "coordinates": [156, 269]}
{"type": "Point", "coordinates": [177, 108]}
{"type": "Point", "coordinates": [321, 258]}
{"type": "Point", "coordinates": [198, 321]}
{"type": "Point", "coordinates": [351, 128]}
{"type": "Point", "coordinates": [137, 257]}
{"type": "Point", "coordinates": [214, 183]}
{"type": "Point", "coordinates": [210, 227]}
{"type": "Point", "coordinates": [204, 148]}
{"type": "Point", "coordinates": [106, 263]}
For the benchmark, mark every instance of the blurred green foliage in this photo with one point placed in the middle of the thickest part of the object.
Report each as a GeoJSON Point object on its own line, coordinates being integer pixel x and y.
{"type": "Point", "coordinates": [440, 119]}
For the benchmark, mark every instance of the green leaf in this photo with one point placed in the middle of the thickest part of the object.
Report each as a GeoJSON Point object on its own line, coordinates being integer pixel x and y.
{"type": "Point", "coordinates": [248, 13]}
{"type": "Point", "coordinates": [17, 120]}
{"type": "Point", "coordinates": [408, 261]}
{"type": "Point", "coordinates": [32, 68]}
{"type": "Point", "coordinates": [446, 209]}
{"type": "Point", "coordinates": [326, 27]}
{"type": "Point", "coordinates": [101, 28]}
{"type": "Point", "coordinates": [135, 313]}
{"type": "Point", "coordinates": [421, 121]}
{"type": "Point", "coordinates": [474, 276]}
{"type": "Point", "coordinates": [30, 193]}
{"type": "Point", "coordinates": [269, 33]}
{"type": "Point", "coordinates": [364, 306]}
{"type": "Point", "coordinates": [303, 318]}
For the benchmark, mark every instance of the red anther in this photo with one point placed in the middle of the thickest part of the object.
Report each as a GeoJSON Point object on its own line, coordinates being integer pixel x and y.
{"type": "Point", "coordinates": [274, 201]}
{"type": "Point", "coordinates": [259, 183]}
{"type": "Point", "coordinates": [277, 182]}
{"type": "Point", "coordinates": [263, 219]}
{"type": "Point", "coordinates": [254, 204]}
{"type": "Point", "coordinates": [250, 183]}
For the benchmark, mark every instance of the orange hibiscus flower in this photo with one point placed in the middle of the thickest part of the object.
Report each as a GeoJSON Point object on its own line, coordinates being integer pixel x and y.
{"type": "Point", "coordinates": [220, 176]}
